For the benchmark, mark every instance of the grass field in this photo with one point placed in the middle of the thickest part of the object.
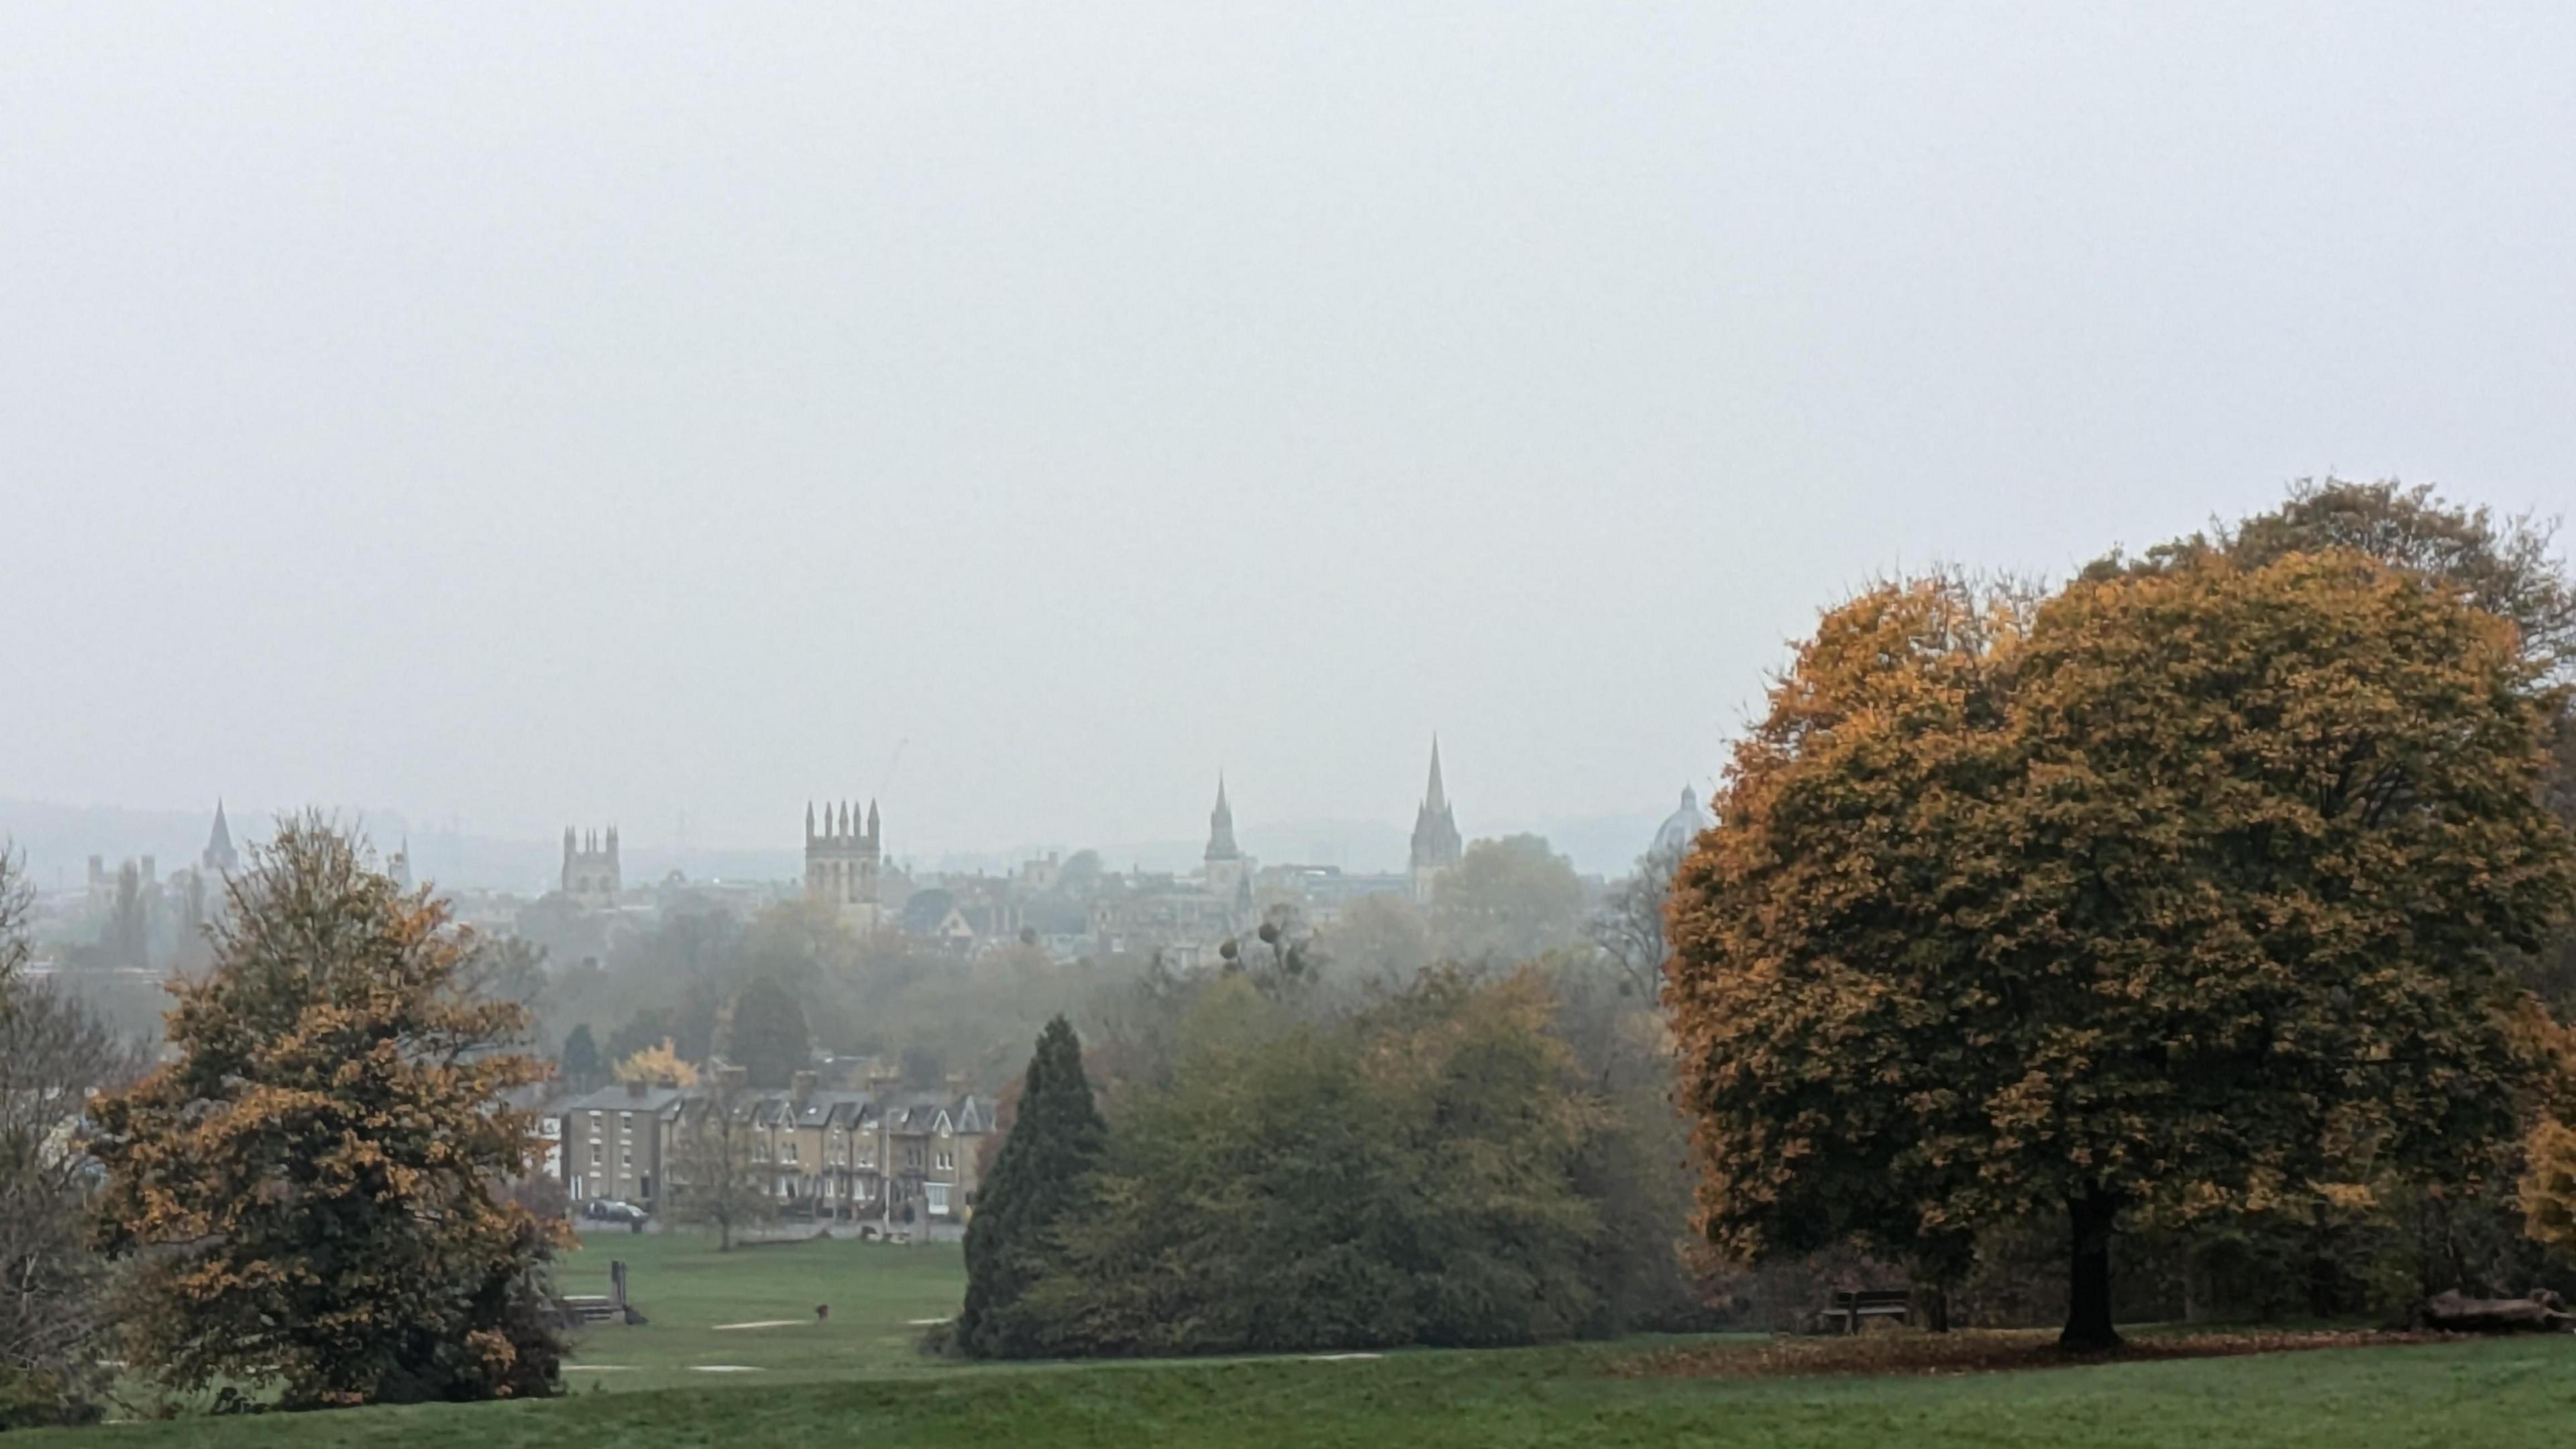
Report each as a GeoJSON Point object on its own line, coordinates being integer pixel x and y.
{"type": "Point", "coordinates": [878, 1294]}
{"type": "Point", "coordinates": [857, 1379]}
{"type": "Point", "coordinates": [2502, 1393]}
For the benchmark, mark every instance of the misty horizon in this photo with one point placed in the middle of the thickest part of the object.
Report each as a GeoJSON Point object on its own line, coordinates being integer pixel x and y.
{"type": "Point", "coordinates": [518, 419]}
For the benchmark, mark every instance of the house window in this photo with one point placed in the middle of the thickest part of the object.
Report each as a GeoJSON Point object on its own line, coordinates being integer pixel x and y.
{"type": "Point", "coordinates": [626, 1157]}
{"type": "Point", "coordinates": [937, 1192]}
{"type": "Point", "coordinates": [947, 1162]}
{"type": "Point", "coordinates": [595, 1158]}
{"type": "Point", "coordinates": [791, 1152]}
{"type": "Point", "coordinates": [625, 1124]}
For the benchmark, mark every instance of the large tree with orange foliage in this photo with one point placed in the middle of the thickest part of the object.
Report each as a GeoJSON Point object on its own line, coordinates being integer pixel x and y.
{"type": "Point", "coordinates": [308, 1184]}
{"type": "Point", "coordinates": [2185, 889]}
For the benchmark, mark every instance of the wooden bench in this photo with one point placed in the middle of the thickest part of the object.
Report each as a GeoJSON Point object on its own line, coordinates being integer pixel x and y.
{"type": "Point", "coordinates": [1850, 1306]}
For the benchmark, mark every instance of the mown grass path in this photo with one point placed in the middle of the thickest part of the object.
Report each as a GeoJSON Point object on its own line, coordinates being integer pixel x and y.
{"type": "Point", "coordinates": [2503, 1392]}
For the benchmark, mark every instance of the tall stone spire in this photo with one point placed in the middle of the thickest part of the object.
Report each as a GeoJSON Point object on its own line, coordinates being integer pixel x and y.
{"type": "Point", "coordinates": [1436, 843]}
{"type": "Point", "coordinates": [1221, 844]}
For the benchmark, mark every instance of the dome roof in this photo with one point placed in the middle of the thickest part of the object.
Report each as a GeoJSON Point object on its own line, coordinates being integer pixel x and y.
{"type": "Point", "coordinates": [1683, 826]}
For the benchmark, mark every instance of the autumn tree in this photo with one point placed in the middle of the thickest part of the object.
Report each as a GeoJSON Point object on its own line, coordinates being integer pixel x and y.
{"type": "Point", "coordinates": [658, 1065]}
{"type": "Point", "coordinates": [2507, 566]}
{"type": "Point", "coordinates": [306, 1183]}
{"type": "Point", "coordinates": [717, 1175]}
{"type": "Point", "coordinates": [1037, 1180]}
{"type": "Point", "coordinates": [2186, 889]}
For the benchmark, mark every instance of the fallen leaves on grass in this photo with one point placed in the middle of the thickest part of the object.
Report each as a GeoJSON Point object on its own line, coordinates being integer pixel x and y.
{"type": "Point", "coordinates": [1973, 1351]}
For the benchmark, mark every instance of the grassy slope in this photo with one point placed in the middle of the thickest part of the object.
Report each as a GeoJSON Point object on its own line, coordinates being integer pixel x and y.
{"type": "Point", "coordinates": [686, 1287]}
{"type": "Point", "coordinates": [2505, 1392]}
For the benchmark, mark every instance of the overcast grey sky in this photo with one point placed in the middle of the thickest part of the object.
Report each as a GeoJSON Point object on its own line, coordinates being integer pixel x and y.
{"type": "Point", "coordinates": [551, 413]}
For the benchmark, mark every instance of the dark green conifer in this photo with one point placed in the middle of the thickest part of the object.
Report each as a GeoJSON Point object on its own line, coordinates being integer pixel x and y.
{"type": "Point", "coordinates": [1055, 1142]}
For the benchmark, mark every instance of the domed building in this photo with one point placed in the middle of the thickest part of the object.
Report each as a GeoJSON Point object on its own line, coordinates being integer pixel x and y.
{"type": "Point", "coordinates": [1673, 838]}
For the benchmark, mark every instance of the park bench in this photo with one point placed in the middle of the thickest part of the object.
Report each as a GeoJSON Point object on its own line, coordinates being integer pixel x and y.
{"type": "Point", "coordinates": [1847, 1307]}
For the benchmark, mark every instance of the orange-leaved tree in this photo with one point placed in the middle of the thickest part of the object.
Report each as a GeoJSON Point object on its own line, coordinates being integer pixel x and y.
{"type": "Point", "coordinates": [2185, 890]}
{"type": "Point", "coordinates": [309, 1183]}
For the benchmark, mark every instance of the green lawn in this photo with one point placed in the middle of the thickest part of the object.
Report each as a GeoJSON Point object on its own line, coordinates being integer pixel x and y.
{"type": "Point", "coordinates": [878, 1292]}
{"type": "Point", "coordinates": [2501, 1392]}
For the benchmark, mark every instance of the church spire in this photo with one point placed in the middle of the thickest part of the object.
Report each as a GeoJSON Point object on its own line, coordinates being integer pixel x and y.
{"type": "Point", "coordinates": [1221, 826]}
{"type": "Point", "coordinates": [1436, 842]}
{"type": "Point", "coordinates": [220, 855]}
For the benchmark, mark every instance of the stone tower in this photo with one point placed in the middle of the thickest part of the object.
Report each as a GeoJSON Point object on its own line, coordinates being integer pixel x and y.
{"type": "Point", "coordinates": [1225, 876]}
{"type": "Point", "coordinates": [1436, 846]}
{"type": "Point", "coordinates": [591, 874]}
{"type": "Point", "coordinates": [842, 858]}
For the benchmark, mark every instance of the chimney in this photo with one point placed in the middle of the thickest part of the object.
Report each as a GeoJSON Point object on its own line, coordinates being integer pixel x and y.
{"type": "Point", "coordinates": [635, 1086]}
{"type": "Point", "coordinates": [802, 1086]}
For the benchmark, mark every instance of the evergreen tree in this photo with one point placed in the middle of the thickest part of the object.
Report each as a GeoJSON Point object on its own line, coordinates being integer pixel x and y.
{"type": "Point", "coordinates": [769, 1039]}
{"type": "Point", "coordinates": [1055, 1142]}
{"type": "Point", "coordinates": [580, 1062]}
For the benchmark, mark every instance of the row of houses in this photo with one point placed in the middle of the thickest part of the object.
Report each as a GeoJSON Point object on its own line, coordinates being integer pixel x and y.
{"type": "Point", "coordinates": [901, 1160]}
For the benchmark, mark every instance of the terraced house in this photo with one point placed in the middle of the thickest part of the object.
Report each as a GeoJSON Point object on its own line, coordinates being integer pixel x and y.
{"type": "Point", "coordinates": [900, 1161]}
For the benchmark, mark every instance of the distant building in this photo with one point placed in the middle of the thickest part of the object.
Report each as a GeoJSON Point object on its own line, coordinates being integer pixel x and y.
{"type": "Point", "coordinates": [592, 876]}
{"type": "Point", "coordinates": [842, 862]}
{"type": "Point", "coordinates": [1224, 860]}
{"type": "Point", "coordinates": [219, 857]}
{"type": "Point", "coordinates": [1040, 876]}
{"type": "Point", "coordinates": [1186, 922]}
{"type": "Point", "coordinates": [1673, 838]}
{"type": "Point", "coordinates": [1436, 844]}
{"type": "Point", "coordinates": [904, 1160]}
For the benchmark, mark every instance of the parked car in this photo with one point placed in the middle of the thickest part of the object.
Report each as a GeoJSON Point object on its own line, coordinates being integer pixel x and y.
{"type": "Point", "coordinates": [610, 1210]}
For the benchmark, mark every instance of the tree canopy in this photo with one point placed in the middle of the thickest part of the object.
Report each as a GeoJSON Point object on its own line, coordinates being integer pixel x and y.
{"type": "Point", "coordinates": [308, 1182]}
{"type": "Point", "coordinates": [1506, 901]}
{"type": "Point", "coordinates": [768, 1039]}
{"type": "Point", "coordinates": [2186, 888]}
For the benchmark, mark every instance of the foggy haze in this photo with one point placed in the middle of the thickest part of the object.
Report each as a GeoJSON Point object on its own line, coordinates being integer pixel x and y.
{"type": "Point", "coordinates": [520, 418]}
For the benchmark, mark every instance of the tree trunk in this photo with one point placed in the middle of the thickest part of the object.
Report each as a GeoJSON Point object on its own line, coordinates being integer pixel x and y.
{"type": "Point", "coordinates": [2088, 1296]}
